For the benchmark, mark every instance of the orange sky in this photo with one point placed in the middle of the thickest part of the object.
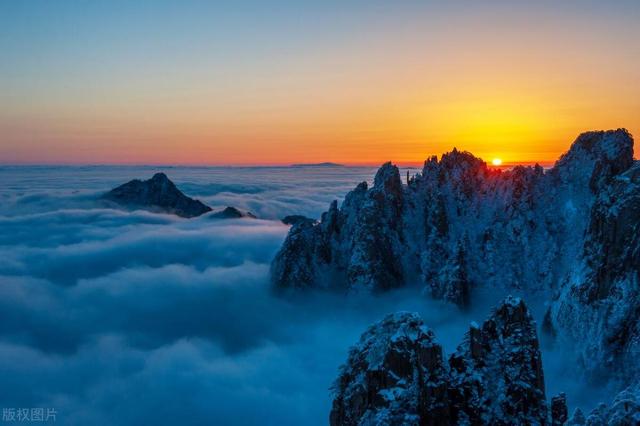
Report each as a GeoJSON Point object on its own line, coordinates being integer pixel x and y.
{"type": "Point", "coordinates": [400, 84]}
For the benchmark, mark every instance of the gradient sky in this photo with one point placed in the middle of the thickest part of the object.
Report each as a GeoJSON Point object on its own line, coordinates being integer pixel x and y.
{"type": "Point", "coordinates": [271, 82]}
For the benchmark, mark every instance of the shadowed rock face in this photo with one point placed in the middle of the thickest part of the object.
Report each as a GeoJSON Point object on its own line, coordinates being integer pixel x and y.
{"type": "Point", "coordinates": [396, 374]}
{"type": "Point", "coordinates": [458, 223]}
{"type": "Point", "coordinates": [157, 194]}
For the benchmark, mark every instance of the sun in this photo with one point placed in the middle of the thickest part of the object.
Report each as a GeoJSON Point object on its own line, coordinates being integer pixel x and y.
{"type": "Point", "coordinates": [496, 161]}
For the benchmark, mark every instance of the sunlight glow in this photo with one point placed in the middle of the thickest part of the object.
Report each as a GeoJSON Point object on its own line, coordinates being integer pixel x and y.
{"type": "Point", "coordinates": [496, 162]}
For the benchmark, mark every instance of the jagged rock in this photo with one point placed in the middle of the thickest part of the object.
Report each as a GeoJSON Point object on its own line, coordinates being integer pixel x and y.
{"type": "Point", "coordinates": [459, 223]}
{"type": "Point", "coordinates": [295, 219]}
{"type": "Point", "coordinates": [396, 374]}
{"type": "Point", "coordinates": [496, 373]}
{"type": "Point", "coordinates": [157, 194]}
{"type": "Point", "coordinates": [231, 213]}
{"type": "Point", "coordinates": [571, 233]}
{"type": "Point", "coordinates": [559, 410]}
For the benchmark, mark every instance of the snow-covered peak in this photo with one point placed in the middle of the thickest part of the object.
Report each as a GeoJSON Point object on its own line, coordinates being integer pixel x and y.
{"type": "Point", "coordinates": [396, 375]}
{"type": "Point", "coordinates": [612, 145]}
{"type": "Point", "coordinates": [594, 158]}
{"type": "Point", "coordinates": [388, 179]}
{"type": "Point", "coordinates": [400, 330]}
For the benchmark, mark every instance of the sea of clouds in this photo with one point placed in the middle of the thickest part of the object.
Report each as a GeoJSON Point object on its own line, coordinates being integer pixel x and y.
{"type": "Point", "coordinates": [130, 317]}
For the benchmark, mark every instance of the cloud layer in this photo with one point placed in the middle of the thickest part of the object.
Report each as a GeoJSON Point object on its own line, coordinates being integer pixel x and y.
{"type": "Point", "coordinates": [116, 317]}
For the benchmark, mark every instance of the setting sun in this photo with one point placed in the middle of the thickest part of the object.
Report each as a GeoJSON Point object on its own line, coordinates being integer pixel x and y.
{"type": "Point", "coordinates": [496, 162]}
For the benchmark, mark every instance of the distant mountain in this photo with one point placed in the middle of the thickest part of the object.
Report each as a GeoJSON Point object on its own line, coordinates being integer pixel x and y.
{"type": "Point", "coordinates": [157, 194]}
{"type": "Point", "coordinates": [326, 164]}
{"type": "Point", "coordinates": [231, 213]}
{"type": "Point", "coordinates": [570, 233]}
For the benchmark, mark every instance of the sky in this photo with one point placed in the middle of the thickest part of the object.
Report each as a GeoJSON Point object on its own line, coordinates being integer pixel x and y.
{"type": "Point", "coordinates": [279, 82]}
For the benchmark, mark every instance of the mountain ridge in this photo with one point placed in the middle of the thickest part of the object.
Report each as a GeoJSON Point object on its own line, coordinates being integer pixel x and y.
{"type": "Point", "coordinates": [460, 225]}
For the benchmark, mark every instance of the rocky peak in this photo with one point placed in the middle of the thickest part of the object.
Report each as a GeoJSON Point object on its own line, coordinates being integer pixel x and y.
{"type": "Point", "coordinates": [231, 212]}
{"type": "Point", "coordinates": [595, 157]}
{"type": "Point", "coordinates": [388, 178]}
{"type": "Point", "coordinates": [461, 161]}
{"type": "Point", "coordinates": [396, 374]}
{"type": "Point", "coordinates": [496, 373]}
{"type": "Point", "coordinates": [158, 194]}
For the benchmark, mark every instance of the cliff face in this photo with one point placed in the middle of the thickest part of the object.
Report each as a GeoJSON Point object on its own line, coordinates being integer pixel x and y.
{"type": "Point", "coordinates": [597, 307]}
{"type": "Point", "coordinates": [397, 375]}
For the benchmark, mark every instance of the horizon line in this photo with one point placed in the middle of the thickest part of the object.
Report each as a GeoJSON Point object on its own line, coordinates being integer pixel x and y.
{"type": "Point", "coordinates": [318, 164]}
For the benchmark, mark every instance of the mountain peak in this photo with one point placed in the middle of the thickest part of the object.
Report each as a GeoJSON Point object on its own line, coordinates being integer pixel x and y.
{"type": "Point", "coordinates": [595, 157]}
{"type": "Point", "coordinates": [396, 374]}
{"type": "Point", "coordinates": [160, 177]}
{"type": "Point", "coordinates": [158, 194]}
{"type": "Point", "coordinates": [388, 178]}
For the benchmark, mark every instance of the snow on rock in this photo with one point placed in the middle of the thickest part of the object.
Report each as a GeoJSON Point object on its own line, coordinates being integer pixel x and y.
{"type": "Point", "coordinates": [571, 234]}
{"type": "Point", "coordinates": [624, 411]}
{"type": "Point", "coordinates": [456, 224]}
{"type": "Point", "coordinates": [597, 308]}
{"type": "Point", "coordinates": [396, 374]}
{"type": "Point", "coordinates": [496, 373]}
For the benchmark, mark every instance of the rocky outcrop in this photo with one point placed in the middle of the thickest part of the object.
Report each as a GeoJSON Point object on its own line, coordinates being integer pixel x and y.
{"type": "Point", "coordinates": [456, 224]}
{"type": "Point", "coordinates": [231, 213]}
{"type": "Point", "coordinates": [157, 194]}
{"type": "Point", "coordinates": [496, 373]}
{"type": "Point", "coordinates": [397, 375]}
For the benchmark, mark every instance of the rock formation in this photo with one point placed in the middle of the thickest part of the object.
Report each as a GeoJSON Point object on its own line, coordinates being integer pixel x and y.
{"type": "Point", "coordinates": [157, 194]}
{"type": "Point", "coordinates": [597, 307]}
{"type": "Point", "coordinates": [397, 375]}
{"type": "Point", "coordinates": [458, 223]}
{"type": "Point", "coordinates": [570, 233]}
